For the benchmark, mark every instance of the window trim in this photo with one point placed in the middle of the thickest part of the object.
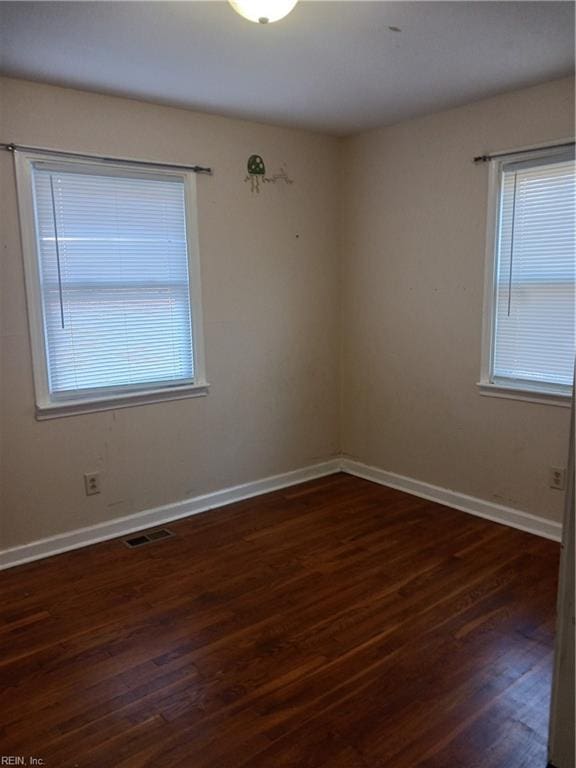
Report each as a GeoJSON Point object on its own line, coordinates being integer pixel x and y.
{"type": "Point", "coordinates": [489, 384]}
{"type": "Point", "coordinates": [50, 406]}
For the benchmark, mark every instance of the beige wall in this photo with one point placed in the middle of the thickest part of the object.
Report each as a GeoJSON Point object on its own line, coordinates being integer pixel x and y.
{"type": "Point", "coordinates": [413, 273]}
{"type": "Point", "coordinates": [376, 353]}
{"type": "Point", "coordinates": [270, 315]}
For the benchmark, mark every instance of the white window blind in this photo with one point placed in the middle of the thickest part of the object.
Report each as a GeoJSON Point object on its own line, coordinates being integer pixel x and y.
{"type": "Point", "coordinates": [534, 328]}
{"type": "Point", "coordinates": [114, 281]}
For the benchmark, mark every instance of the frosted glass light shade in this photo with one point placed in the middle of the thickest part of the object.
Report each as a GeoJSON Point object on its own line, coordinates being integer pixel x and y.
{"type": "Point", "coordinates": [263, 11]}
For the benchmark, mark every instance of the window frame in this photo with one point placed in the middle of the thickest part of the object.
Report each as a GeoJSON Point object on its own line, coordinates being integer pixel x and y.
{"type": "Point", "coordinates": [108, 398]}
{"type": "Point", "coordinates": [514, 389]}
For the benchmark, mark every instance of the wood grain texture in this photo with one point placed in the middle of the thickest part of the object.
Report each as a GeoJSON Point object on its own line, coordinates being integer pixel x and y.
{"type": "Point", "coordinates": [335, 624]}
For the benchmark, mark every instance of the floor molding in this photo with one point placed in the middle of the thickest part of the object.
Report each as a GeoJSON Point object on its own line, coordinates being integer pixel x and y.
{"type": "Point", "coordinates": [149, 518]}
{"type": "Point", "coordinates": [524, 521]}
{"type": "Point", "coordinates": [112, 529]}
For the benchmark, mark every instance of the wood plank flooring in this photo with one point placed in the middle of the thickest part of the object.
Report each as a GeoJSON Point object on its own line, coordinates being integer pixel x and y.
{"type": "Point", "coordinates": [335, 624]}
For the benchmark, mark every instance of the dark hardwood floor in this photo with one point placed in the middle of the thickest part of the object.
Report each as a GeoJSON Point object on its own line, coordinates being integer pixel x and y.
{"type": "Point", "coordinates": [336, 624]}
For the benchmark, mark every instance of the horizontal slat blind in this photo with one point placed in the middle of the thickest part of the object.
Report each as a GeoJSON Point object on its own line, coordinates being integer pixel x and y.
{"type": "Point", "coordinates": [534, 340]}
{"type": "Point", "coordinates": [114, 279]}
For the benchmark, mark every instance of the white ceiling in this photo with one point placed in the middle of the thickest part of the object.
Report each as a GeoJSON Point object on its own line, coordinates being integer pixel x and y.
{"type": "Point", "coordinates": [329, 66]}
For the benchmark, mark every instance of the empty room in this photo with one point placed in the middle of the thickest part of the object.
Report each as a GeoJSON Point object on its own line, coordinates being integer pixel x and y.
{"type": "Point", "coordinates": [287, 341]}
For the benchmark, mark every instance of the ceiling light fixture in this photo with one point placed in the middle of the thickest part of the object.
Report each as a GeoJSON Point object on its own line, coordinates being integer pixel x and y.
{"type": "Point", "coordinates": [263, 11]}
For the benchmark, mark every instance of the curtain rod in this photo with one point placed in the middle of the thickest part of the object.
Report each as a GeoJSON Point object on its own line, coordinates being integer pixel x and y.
{"type": "Point", "coordinates": [120, 160]}
{"type": "Point", "coordinates": [495, 155]}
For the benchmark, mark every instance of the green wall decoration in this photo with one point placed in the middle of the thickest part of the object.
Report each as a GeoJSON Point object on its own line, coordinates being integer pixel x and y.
{"type": "Point", "coordinates": [256, 165]}
{"type": "Point", "coordinates": [257, 172]}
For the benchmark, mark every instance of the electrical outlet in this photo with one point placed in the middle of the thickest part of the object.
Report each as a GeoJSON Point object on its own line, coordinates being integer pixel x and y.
{"type": "Point", "coordinates": [557, 478]}
{"type": "Point", "coordinates": [92, 483]}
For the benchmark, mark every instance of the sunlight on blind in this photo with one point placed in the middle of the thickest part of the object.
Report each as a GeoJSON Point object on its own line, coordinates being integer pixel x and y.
{"type": "Point", "coordinates": [114, 277]}
{"type": "Point", "coordinates": [534, 337]}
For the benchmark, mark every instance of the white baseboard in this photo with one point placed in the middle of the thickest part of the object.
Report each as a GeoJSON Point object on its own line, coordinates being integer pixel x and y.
{"type": "Point", "coordinates": [149, 518]}
{"type": "Point", "coordinates": [471, 504]}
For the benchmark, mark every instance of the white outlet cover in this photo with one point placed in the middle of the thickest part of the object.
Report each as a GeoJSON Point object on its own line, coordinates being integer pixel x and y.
{"type": "Point", "coordinates": [557, 478]}
{"type": "Point", "coordinates": [92, 483]}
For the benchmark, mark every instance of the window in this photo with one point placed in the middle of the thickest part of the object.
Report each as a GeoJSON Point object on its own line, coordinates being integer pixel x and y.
{"type": "Point", "coordinates": [113, 287]}
{"type": "Point", "coordinates": [529, 315]}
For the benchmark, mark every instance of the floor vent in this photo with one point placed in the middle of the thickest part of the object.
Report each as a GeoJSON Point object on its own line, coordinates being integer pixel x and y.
{"type": "Point", "coordinates": [147, 538]}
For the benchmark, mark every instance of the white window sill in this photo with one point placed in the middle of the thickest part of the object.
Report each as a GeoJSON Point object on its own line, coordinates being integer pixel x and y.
{"type": "Point", "coordinates": [526, 393]}
{"type": "Point", "coordinates": [56, 410]}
